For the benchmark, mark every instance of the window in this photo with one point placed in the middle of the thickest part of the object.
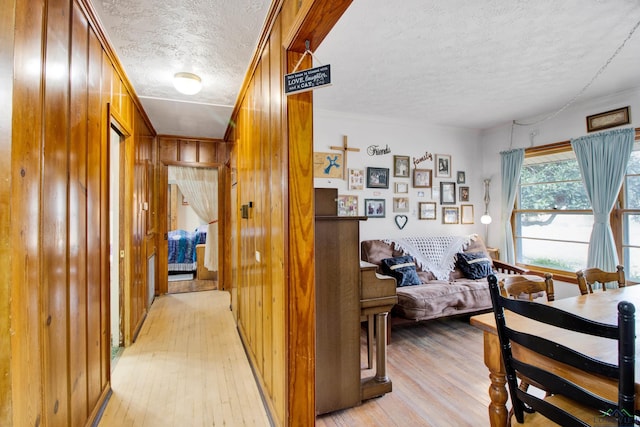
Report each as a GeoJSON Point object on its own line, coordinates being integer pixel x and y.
{"type": "Point", "coordinates": [629, 213]}
{"type": "Point", "coordinates": [553, 220]}
{"type": "Point", "coordinates": [552, 216]}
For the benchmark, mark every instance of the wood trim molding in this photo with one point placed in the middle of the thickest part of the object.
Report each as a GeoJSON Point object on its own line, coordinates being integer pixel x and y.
{"type": "Point", "coordinates": [559, 146]}
{"type": "Point", "coordinates": [313, 22]}
{"type": "Point", "coordinates": [301, 261]}
{"type": "Point", "coordinates": [191, 138]}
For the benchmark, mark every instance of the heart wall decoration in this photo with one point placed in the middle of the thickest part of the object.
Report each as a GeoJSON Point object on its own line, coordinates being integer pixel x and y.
{"type": "Point", "coordinates": [401, 221]}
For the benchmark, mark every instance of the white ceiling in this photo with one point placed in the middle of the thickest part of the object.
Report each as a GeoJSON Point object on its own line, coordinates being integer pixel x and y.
{"type": "Point", "coordinates": [214, 39]}
{"type": "Point", "coordinates": [472, 64]}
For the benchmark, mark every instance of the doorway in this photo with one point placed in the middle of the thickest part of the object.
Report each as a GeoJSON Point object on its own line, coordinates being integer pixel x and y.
{"type": "Point", "coordinates": [192, 203]}
{"type": "Point", "coordinates": [116, 254]}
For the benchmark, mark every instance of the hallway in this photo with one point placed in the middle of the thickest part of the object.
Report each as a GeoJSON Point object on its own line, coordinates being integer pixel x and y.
{"type": "Point", "coordinates": [187, 368]}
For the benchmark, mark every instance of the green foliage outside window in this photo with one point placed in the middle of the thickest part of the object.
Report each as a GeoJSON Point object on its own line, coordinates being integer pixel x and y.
{"type": "Point", "coordinates": [553, 185]}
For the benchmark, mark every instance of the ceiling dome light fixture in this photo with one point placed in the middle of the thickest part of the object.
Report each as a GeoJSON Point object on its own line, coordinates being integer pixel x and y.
{"type": "Point", "coordinates": [187, 83]}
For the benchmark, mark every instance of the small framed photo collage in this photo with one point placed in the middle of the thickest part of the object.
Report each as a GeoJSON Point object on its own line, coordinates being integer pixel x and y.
{"type": "Point", "coordinates": [406, 178]}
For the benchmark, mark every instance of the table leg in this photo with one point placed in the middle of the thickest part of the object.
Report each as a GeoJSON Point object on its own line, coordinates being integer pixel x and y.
{"type": "Point", "coordinates": [497, 391]}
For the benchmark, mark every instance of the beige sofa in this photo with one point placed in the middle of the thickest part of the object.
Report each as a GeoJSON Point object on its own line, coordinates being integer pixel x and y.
{"type": "Point", "coordinates": [437, 298]}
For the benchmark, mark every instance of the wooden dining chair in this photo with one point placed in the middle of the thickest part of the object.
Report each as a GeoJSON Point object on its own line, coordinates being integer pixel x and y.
{"type": "Point", "coordinates": [527, 287]}
{"type": "Point", "coordinates": [590, 276]}
{"type": "Point", "coordinates": [567, 403]}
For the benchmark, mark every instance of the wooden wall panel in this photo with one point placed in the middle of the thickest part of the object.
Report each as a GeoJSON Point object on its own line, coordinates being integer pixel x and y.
{"type": "Point", "coordinates": [265, 326]}
{"type": "Point", "coordinates": [140, 149]}
{"type": "Point", "coordinates": [195, 151]}
{"type": "Point", "coordinates": [188, 151]}
{"type": "Point", "coordinates": [55, 211]}
{"type": "Point", "coordinates": [105, 93]}
{"type": "Point", "coordinates": [274, 147]}
{"type": "Point", "coordinates": [208, 151]}
{"type": "Point", "coordinates": [278, 222]}
{"type": "Point", "coordinates": [7, 28]}
{"type": "Point", "coordinates": [127, 163]}
{"type": "Point", "coordinates": [258, 216]}
{"type": "Point", "coordinates": [261, 156]}
{"type": "Point", "coordinates": [26, 148]}
{"type": "Point", "coordinates": [162, 227]}
{"type": "Point", "coordinates": [78, 219]}
{"type": "Point", "coordinates": [58, 228]}
{"type": "Point", "coordinates": [98, 351]}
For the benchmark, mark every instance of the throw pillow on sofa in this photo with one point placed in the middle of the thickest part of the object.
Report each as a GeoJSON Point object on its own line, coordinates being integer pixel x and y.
{"type": "Point", "coordinates": [474, 265]}
{"type": "Point", "coordinates": [403, 268]}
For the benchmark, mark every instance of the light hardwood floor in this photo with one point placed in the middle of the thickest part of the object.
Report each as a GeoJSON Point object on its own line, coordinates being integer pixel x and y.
{"type": "Point", "coordinates": [179, 286]}
{"type": "Point", "coordinates": [439, 379]}
{"type": "Point", "coordinates": [187, 368]}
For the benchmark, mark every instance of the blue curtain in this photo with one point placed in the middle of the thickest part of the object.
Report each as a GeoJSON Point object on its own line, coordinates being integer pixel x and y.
{"type": "Point", "coordinates": [603, 159]}
{"type": "Point", "coordinates": [511, 167]}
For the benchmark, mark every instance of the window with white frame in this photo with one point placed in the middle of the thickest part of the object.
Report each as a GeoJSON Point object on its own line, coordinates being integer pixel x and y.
{"type": "Point", "coordinates": [552, 218]}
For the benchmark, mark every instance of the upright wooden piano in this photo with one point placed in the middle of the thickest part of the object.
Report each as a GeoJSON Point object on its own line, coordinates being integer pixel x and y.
{"type": "Point", "coordinates": [345, 291]}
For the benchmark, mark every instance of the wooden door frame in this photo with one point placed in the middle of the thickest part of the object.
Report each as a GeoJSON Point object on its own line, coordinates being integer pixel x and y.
{"type": "Point", "coordinates": [163, 250]}
{"type": "Point", "coordinates": [124, 219]}
{"type": "Point", "coordinates": [314, 21]}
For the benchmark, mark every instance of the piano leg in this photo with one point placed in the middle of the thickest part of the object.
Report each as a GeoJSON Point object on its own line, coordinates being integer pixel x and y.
{"type": "Point", "coordinates": [380, 383]}
{"type": "Point", "coordinates": [370, 339]}
{"type": "Point", "coordinates": [381, 348]}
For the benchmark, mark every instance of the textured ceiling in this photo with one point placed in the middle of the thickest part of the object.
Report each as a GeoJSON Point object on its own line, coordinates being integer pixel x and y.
{"type": "Point", "coordinates": [473, 64]}
{"type": "Point", "coordinates": [214, 39]}
{"type": "Point", "coordinates": [476, 64]}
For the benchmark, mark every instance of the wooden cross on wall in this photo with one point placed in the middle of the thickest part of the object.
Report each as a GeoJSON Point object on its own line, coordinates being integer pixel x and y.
{"type": "Point", "coordinates": [345, 149]}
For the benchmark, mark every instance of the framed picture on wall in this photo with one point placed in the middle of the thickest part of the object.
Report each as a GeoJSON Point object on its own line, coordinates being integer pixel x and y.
{"type": "Point", "coordinates": [377, 177]}
{"type": "Point", "coordinates": [347, 205]}
{"type": "Point", "coordinates": [608, 119]}
{"type": "Point", "coordinates": [422, 178]}
{"type": "Point", "coordinates": [401, 166]}
{"type": "Point", "coordinates": [443, 166]}
{"type": "Point", "coordinates": [374, 208]}
{"type": "Point", "coordinates": [356, 179]}
{"type": "Point", "coordinates": [466, 214]}
{"type": "Point", "coordinates": [449, 215]}
{"type": "Point", "coordinates": [427, 210]}
{"type": "Point", "coordinates": [447, 193]}
{"type": "Point", "coordinates": [402, 187]}
{"type": "Point", "coordinates": [401, 204]}
{"type": "Point", "coordinates": [464, 193]}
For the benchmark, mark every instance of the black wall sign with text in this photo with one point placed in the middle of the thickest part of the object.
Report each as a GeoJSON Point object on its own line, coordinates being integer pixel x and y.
{"type": "Point", "coordinates": [302, 81]}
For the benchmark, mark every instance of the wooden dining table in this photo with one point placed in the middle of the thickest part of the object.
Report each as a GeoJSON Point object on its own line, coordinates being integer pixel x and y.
{"type": "Point", "coordinates": [599, 306]}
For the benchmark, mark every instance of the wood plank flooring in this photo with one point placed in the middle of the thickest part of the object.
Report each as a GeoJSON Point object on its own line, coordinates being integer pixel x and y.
{"type": "Point", "coordinates": [194, 285]}
{"type": "Point", "coordinates": [187, 368]}
{"type": "Point", "coordinates": [439, 379]}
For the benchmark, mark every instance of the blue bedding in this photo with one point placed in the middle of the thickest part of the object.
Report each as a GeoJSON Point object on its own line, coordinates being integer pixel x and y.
{"type": "Point", "coordinates": [182, 249]}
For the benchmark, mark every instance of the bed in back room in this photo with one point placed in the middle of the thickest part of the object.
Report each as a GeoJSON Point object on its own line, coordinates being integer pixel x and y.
{"type": "Point", "coordinates": [182, 250]}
